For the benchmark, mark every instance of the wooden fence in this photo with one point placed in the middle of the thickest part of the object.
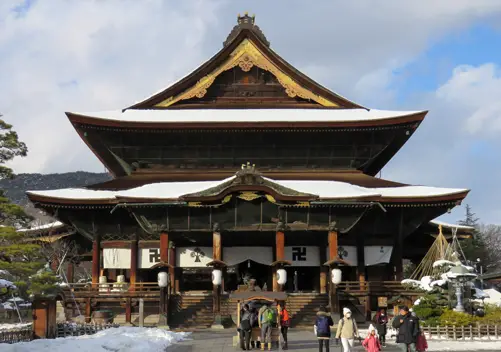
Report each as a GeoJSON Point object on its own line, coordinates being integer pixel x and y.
{"type": "Point", "coordinates": [18, 335]}
{"type": "Point", "coordinates": [72, 329]}
{"type": "Point", "coordinates": [485, 332]}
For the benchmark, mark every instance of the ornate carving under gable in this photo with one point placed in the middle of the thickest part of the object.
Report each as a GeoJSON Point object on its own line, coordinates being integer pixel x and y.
{"type": "Point", "coordinates": [246, 56]}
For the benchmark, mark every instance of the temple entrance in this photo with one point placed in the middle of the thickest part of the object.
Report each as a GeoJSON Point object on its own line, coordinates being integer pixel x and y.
{"type": "Point", "coordinates": [196, 279]}
{"type": "Point", "coordinates": [303, 279]}
{"type": "Point", "coordinates": [241, 273]}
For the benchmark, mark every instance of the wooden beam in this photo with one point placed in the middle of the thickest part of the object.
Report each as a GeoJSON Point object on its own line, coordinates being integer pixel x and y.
{"type": "Point", "coordinates": [96, 258]}
{"type": "Point", "coordinates": [360, 259]}
{"type": "Point", "coordinates": [216, 246]}
{"type": "Point", "coordinates": [164, 247]}
{"type": "Point", "coordinates": [70, 272]}
{"type": "Point", "coordinates": [280, 245]}
{"type": "Point", "coordinates": [397, 257]}
{"type": "Point", "coordinates": [128, 311]}
{"type": "Point", "coordinates": [133, 264]}
{"type": "Point", "coordinates": [323, 269]}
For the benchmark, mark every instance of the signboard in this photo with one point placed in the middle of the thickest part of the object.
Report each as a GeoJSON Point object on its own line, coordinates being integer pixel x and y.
{"type": "Point", "coordinates": [382, 302]}
{"type": "Point", "coordinates": [116, 258]}
{"type": "Point", "coordinates": [237, 255]}
{"type": "Point", "coordinates": [148, 257]}
{"type": "Point", "coordinates": [303, 255]}
{"type": "Point", "coordinates": [374, 255]}
{"type": "Point", "coordinates": [193, 257]}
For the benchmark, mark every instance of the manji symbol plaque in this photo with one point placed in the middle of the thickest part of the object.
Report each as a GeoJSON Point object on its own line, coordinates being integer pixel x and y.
{"type": "Point", "coordinates": [154, 255]}
{"type": "Point", "coordinates": [298, 254]}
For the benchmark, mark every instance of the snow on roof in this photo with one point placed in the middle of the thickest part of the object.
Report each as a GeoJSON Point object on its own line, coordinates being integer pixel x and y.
{"type": "Point", "coordinates": [248, 115]}
{"type": "Point", "coordinates": [445, 224]}
{"type": "Point", "coordinates": [323, 189]}
{"type": "Point", "coordinates": [7, 284]}
{"type": "Point", "coordinates": [51, 225]}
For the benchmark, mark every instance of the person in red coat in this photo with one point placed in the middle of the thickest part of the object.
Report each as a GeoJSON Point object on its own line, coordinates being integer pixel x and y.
{"type": "Point", "coordinates": [421, 343]}
{"type": "Point", "coordinates": [371, 342]}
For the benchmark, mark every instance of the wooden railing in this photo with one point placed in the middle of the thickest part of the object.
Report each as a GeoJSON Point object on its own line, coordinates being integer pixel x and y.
{"type": "Point", "coordinates": [371, 286]}
{"type": "Point", "coordinates": [16, 335]}
{"type": "Point", "coordinates": [112, 289]}
{"type": "Point", "coordinates": [72, 329]}
{"type": "Point", "coordinates": [463, 332]}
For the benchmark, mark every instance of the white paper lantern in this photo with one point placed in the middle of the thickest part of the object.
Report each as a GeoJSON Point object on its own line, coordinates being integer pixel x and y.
{"type": "Point", "coordinates": [336, 276]}
{"type": "Point", "coordinates": [281, 276]}
{"type": "Point", "coordinates": [163, 279]}
{"type": "Point", "coordinates": [103, 279]}
{"type": "Point", "coordinates": [217, 277]}
{"type": "Point", "coordinates": [121, 278]}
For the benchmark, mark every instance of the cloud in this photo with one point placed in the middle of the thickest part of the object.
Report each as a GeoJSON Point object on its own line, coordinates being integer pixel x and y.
{"type": "Point", "coordinates": [61, 56]}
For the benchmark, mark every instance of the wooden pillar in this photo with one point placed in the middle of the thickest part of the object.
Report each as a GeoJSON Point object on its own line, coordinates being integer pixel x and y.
{"type": "Point", "coordinates": [279, 253]}
{"type": "Point", "coordinates": [70, 272]}
{"type": "Point", "coordinates": [164, 247]}
{"type": "Point", "coordinates": [96, 259]}
{"type": "Point", "coordinates": [128, 311]}
{"type": "Point", "coordinates": [88, 310]}
{"type": "Point", "coordinates": [333, 247]}
{"type": "Point", "coordinates": [133, 264]}
{"type": "Point", "coordinates": [332, 240]}
{"type": "Point", "coordinates": [323, 269]}
{"type": "Point", "coordinates": [174, 282]}
{"type": "Point", "coordinates": [361, 260]}
{"type": "Point", "coordinates": [216, 255]}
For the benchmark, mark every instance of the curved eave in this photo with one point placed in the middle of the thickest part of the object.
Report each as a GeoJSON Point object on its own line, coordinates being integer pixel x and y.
{"type": "Point", "coordinates": [76, 118]}
{"type": "Point", "coordinates": [450, 198]}
{"type": "Point", "coordinates": [215, 61]}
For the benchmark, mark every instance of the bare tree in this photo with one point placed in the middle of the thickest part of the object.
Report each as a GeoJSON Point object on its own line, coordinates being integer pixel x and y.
{"type": "Point", "coordinates": [491, 236]}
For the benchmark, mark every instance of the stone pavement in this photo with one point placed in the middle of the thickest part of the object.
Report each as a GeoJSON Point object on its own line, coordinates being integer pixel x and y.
{"type": "Point", "coordinates": [221, 341]}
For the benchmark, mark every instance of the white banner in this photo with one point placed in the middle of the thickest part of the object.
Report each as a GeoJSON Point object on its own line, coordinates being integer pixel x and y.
{"type": "Point", "coordinates": [303, 255]}
{"type": "Point", "coordinates": [377, 254]}
{"type": "Point", "coordinates": [148, 257]}
{"type": "Point", "coordinates": [193, 257]}
{"type": "Point", "coordinates": [347, 253]}
{"type": "Point", "coordinates": [116, 258]}
{"type": "Point", "coordinates": [236, 255]}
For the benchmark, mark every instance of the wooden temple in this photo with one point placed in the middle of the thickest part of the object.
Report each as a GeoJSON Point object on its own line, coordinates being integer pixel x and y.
{"type": "Point", "coordinates": [246, 162]}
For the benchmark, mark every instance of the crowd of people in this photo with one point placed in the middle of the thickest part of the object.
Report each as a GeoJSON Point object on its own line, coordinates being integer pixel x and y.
{"type": "Point", "coordinates": [409, 337]}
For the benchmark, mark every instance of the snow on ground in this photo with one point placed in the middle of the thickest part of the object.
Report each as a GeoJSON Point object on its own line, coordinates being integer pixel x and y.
{"type": "Point", "coordinates": [463, 345]}
{"type": "Point", "coordinates": [6, 327]}
{"type": "Point", "coordinates": [123, 339]}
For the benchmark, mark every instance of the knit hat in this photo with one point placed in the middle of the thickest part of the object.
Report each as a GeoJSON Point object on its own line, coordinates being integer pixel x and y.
{"type": "Point", "coordinates": [346, 310]}
{"type": "Point", "coordinates": [371, 327]}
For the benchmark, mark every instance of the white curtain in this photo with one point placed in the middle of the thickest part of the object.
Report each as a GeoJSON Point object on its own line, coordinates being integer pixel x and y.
{"type": "Point", "coordinates": [377, 255]}
{"type": "Point", "coordinates": [116, 258]}
{"type": "Point", "coordinates": [193, 257]}
{"type": "Point", "coordinates": [236, 255]}
{"type": "Point", "coordinates": [303, 255]}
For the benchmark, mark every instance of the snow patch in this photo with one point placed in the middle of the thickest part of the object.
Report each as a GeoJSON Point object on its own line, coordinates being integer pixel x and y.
{"type": "Point", "coordinates": [7, 327]}
{"type": "Point", "coordinates": [123, 339]}
{"type": "Point", "coordinates": [7, 284]}
{"type": "Point", "coordinates": [443, 262]}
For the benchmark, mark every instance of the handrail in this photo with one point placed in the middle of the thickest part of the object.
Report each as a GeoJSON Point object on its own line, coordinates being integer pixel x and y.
{"type": "Point", "coordinates": [114, 287]}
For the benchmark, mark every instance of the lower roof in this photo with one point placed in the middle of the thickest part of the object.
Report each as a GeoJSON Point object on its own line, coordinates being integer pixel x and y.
{"type": "Point", "coordinates": [305, 190]}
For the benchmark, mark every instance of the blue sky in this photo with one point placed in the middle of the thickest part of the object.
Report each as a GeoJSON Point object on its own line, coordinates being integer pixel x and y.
{"type": "Point", "coordinates": [441, 56]}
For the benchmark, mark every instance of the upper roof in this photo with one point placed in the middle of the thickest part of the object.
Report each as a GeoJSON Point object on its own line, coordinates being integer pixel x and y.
{"type": "Point", "coordinates": [246, 47]}
{"type": "Point", "coordinates": [215, 118]}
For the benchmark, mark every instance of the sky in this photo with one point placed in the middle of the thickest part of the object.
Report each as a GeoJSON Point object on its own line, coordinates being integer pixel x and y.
{"type": "Point", "coordinates": [442, 56]}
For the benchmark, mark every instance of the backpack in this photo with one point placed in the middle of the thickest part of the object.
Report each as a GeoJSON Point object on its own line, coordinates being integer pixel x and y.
{"type": "Point", "coordinates": [323, 327]}
{"type": "Point", "coordinates": [352, 322]}
{"type": "Point", "coordinates": [284, 321]}
{"type": "Point", "coordinates": [268, 316]}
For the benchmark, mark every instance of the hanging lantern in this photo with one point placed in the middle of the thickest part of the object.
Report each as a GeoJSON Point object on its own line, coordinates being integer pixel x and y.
{"type": "Point", "coordinates": [281, 276]}
{"type": "Point", "coordinates": [163, 279]}
{"type": "Point", "coordinates": [217, 276]}
{"type": "Point", "coordinates": [336, 276]}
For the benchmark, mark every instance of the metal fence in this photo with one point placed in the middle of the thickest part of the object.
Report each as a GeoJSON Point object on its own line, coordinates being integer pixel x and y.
{"type": "Point", "coordinates": [484, 332]}
{"type": "Point", "coordinates": [18, 335]}
{"type": "Point", "coordinates": [73, 329]}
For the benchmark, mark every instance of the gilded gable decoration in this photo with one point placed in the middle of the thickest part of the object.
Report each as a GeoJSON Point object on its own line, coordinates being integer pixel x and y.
{"type": "Point", "coordinates": [246, 56]}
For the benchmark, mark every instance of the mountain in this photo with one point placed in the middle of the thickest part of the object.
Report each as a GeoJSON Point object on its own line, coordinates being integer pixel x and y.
{"type": "Point", "coordinates": [16, 188]}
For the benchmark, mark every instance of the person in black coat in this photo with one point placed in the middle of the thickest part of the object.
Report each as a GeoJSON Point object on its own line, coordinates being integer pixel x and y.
{"type": "Point", "coordinates": [323, 325]}
{"type": "Point", "coordinates": [408, 330]}
{"type": "Point", "coordinates": [381, 321]}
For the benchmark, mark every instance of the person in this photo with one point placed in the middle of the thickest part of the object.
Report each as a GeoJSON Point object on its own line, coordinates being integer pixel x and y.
{"type": "Point", "coordinates": [408, 330]}
{"type": "Point", "coordinates": [245, 328]}
{"type": "Point", "coordinates": [347, 330]}
{"type": "Point", "coordinates": [254, 324]}
{"type": "Point", "coordinates": [421, 343]}
{"type": "Point", "coordinates": [284, 323]}
{"type": "Point", "coordinates": [381, 320]}
{"type": "Point", "coordinates": [371, 342]}
{"type": "Point", "coordinates": [323, 325]}
{"type": "Point", "coordinates": [266, 320]}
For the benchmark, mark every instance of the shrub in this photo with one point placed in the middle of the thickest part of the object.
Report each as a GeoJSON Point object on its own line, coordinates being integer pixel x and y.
{"type": "Point", "coordinates": [450, 317]}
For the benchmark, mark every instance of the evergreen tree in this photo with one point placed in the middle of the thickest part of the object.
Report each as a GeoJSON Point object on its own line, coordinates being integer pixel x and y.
{"type": "Point", "coordinates": [474, 247]}
{"type": "Point", "coordinates": [19, 259]}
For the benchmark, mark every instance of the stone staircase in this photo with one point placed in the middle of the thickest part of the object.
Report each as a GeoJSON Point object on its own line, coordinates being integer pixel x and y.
{"type": "Point", "coordinates": [303, 308]}
{"type": "Point", "coordinates": [191, 311]}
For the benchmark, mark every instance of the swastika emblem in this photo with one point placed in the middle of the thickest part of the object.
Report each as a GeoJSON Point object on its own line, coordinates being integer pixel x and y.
{"type": "Point", "coordinates": [298, 254]}
{"type": "Point", "coordinates": [154, 255]}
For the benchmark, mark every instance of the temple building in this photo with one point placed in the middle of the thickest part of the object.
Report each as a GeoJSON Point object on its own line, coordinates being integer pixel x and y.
{"type": "Point", "coordinates": [248, 165]}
